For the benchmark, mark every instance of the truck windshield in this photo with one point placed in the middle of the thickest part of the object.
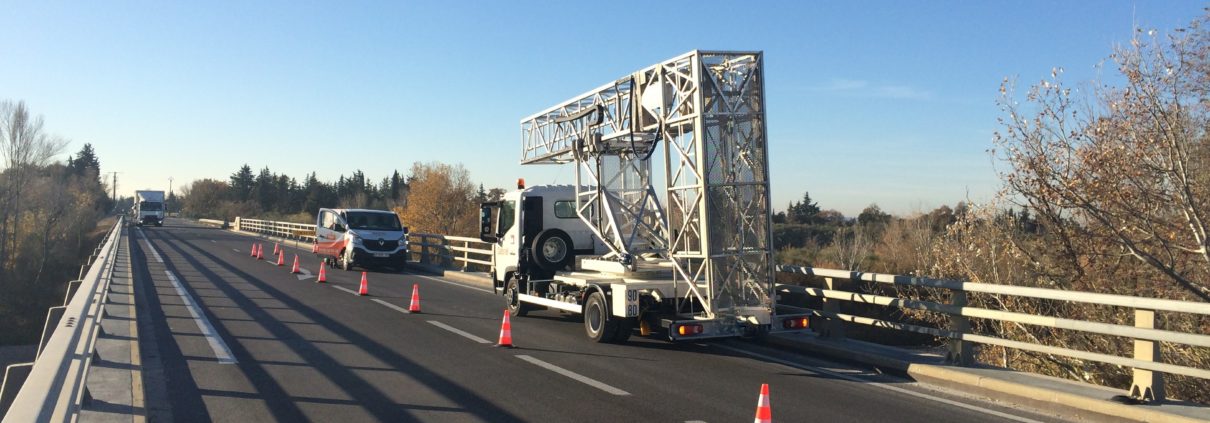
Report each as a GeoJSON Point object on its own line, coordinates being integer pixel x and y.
{"type": "Point", "coordinates": [373, 221]}
{"type": "Point", "coordinates": [149, 206]}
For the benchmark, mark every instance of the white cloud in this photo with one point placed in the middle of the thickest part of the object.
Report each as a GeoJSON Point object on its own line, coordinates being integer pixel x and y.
{"type": "Point", "coordinates": [863, 88]}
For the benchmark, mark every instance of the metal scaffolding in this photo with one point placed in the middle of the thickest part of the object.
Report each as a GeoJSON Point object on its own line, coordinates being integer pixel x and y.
{"type": "Point", "coordinates": [704, 113]}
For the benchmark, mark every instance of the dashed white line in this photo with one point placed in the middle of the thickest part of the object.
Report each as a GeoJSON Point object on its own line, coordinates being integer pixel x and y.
{"type": "Point", "coordinates": [392, 306]}
{"type": "Point", "coordinates": [461, 332]}
{"type": "Point", "coordinates": [573, 375]}
{"type": "Point", "coordinates": [880, 385]}
{"type": "Point", "coordinates": [346, 290]}
{"type": "Point", "coordinates": [147, 245]}
{"type": "Point", "coordinates": [221, 351]}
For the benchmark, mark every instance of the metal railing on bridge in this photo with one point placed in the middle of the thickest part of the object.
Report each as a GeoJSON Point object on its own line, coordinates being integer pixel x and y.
{"type": "Point", "coordinates": [54, 384]}
{"type": "Point", "coordinates": [1148, 369]}
{"type": "Point", "coordinates": [428, 249]}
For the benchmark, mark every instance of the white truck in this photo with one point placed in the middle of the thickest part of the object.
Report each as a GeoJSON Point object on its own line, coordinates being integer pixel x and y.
{"type": "Point", "coordinates": [607, 247]}
{"type": "Point", "coordinates": [148, 208]}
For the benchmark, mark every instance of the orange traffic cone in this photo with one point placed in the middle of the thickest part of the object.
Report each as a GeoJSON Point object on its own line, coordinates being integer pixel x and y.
{"type": "Point", "coordinates": [506, 333]}
{"type": "Point", "coordinates": [295, 269]}
{"type": "Point", "coordinates": [365, 288]}
{"type": "Point", "coordinates": [252, 252]}
{"type": "Point", "coordinates": [260, 252]}
{"type": "Point", "coordinates": [281, 258]}
{"type": "Point", "coordinates": [276, 248]}
{"type": "Point", "coordinates": [323, 273]}
{"type": "Point", "coordinates": [764, 413]}
{"type": "Point", "coordinates": [414, 307]}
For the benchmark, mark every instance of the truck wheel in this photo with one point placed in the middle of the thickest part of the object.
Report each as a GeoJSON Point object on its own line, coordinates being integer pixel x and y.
{"type": "Point", "coordinates": [598, 324]}
{"type": "Point", "coordinates": [516, 308]}
{"type": "Point", "coordinates": [552, 249]}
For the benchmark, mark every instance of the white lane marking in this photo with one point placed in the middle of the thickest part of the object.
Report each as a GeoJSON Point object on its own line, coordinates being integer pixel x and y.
{"type": "Point", "coordinates": [147, 245]}
{"type": "Point", "coordinates": [216, 242]}
{"type": "Point", "coordinates": [455, 330]}
{"type": "Point", "coordinates": [395, 307]}
{"type": "Point", "coordinates": [221, 351]}
{"type": "Point", "coordinates": [305, 274]}
{"type": "Point", "coordinates": [576, 376]}
{"type": "Point", "coordinates": [880, 385]}
{"type": "Point", "coordinates": [456, 284]}
{"type": "Point", "coordinates": [346, 290]}
{"type": "Point", "coordinates": [235, 249]}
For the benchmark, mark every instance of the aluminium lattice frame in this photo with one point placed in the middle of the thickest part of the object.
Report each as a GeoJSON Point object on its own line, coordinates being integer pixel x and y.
{"type": "Point", "coordinates": [705, 112]}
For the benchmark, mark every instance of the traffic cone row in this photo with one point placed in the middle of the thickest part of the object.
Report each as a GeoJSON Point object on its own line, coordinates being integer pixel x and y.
{"type": "Point", "coordinates": [506, 333]}
{"type": "Point", "coordinates": [764, 413]}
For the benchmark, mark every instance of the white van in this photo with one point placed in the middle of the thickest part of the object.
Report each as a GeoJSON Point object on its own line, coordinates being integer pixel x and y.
{"type": "Point", "coordinates": [359, 237]}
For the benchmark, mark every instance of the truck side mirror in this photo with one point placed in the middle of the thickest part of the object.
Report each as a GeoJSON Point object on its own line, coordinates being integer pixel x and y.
{"type": "Point", "coordinates": [486, 234]}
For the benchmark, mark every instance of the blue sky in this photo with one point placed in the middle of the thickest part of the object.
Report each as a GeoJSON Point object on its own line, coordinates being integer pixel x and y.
{"type": "Point", "coordinates": [868, 102]}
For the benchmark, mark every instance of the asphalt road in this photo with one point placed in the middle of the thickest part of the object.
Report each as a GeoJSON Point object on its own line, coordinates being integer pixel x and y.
{"type": "Point", "coordinates": [228, 338]}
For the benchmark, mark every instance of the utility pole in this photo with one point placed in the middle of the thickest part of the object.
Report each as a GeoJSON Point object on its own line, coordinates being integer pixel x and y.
{"type": "Point", "coordinates": [169, 205]}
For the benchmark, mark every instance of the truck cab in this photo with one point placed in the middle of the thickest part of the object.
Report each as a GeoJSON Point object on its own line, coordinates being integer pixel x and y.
{"type": "Point", "coordinates": [536, 232]}
{"type": "Point", "coordinates": [359, 237]}
{"type": "Point", "coordinates": [148, 208]}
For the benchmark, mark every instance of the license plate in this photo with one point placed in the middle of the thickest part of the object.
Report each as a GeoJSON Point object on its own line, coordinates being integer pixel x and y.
{"type": "Point", "coordinates": [382, 255]}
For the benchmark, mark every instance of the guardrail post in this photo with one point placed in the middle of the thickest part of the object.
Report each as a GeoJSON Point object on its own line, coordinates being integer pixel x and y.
{"type": "Point", "coordinates": [72, 286]}
{"type": "Point", "coordinates": [960, 352]}
{"type": "Point", "coordinates": [1148, 385]}
{"type": "Point", "coordinates": [424, 249]}
{"type": "Point", "coordinates": [14, 377]}
{"type": "Point", "coordinates": [53, 315]}
{"type": "Point", "coordinates": [466, 245]}
{"type": "Point", "coordinates": [237, 227]}
{"type": "Point", "coordinates": [833, 328]}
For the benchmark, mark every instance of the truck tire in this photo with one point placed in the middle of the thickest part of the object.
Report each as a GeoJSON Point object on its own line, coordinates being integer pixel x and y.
{"type": "Point", "coordinates": [516, 308]}
{"type": "Point", "coordinates": [552, 250]}
{"type": "Point", "coordinates": [598, 324]}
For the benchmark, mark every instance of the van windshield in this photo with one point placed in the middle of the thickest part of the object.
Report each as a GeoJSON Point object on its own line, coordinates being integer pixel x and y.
{"type": "Point", "coordinates": [373, 221]}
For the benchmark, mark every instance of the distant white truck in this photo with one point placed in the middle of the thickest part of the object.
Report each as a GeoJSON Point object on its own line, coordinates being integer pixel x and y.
{"type": "Point", "coordinates": [148, 208]}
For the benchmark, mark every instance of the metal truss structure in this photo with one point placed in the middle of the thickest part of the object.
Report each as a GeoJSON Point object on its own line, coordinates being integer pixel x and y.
{"type": "Point", "coordinates": [704, 111]}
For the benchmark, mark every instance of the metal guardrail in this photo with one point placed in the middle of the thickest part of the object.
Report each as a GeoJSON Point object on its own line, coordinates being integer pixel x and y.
{"type": "Point", "coordinates": [464, 253]}
{"type": "Point", "coordinates": [428, 249]}
{"type": "Point", "coordinates": [1147, 368]}
{"type": "Point", "coordinates": [55, 386]}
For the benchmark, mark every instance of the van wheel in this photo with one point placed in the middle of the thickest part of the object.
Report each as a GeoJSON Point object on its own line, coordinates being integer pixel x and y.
{"type": "Point", "coordinates": [346, 262]}
{"type": "Point", "coordinates": [552, 250]}
{"type": "Point", "coordinates": [516, 308]}
{"type": "Point", "coordinates": [598, 324]}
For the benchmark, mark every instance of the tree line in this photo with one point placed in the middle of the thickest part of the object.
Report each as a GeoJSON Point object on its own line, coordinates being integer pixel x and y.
{"type": "Point", "coordinates": [50, 219]}
{"type": "Point", "coordinates": [446, 201]}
